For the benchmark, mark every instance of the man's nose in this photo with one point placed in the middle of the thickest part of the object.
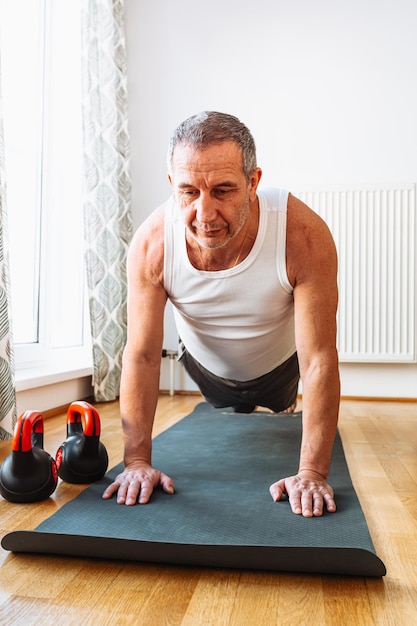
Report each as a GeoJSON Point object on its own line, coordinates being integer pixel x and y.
{"type": "Point", "coordinates": [205, 208]}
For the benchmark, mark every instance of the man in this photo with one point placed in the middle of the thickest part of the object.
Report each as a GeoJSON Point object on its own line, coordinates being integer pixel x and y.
{"type": "Point", "coordinates": [252, 277]}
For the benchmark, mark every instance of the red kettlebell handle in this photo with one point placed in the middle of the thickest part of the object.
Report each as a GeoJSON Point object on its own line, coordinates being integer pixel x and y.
{"type": "Point", "coordinates": [29, 423]}
{"type": "Point", "coordinates": [80, 409]}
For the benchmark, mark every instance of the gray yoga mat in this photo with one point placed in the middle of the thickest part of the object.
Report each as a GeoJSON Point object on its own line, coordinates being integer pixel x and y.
{"type": "Point", "coordinates": [221, 514]}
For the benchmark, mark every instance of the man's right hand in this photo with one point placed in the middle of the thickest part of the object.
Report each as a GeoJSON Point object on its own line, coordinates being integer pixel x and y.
{"type": "Point", "coordinates": [136, 484]}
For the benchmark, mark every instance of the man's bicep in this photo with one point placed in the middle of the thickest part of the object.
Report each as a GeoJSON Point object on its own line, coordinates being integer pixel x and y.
{"type": "Point", "coordinates": [315, 304]}
{"type": "Point", "coordinates": [146, 302]}
{"type": "Point", "coordinates": [145, 317]}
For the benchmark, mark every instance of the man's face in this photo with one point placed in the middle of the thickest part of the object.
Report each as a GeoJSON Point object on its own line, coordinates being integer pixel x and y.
{"type": "Point", "coordinates": [212, 191]}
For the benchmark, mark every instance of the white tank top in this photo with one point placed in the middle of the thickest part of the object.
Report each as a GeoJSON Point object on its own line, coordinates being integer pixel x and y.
{"type": "Point", "coordinates": [239, 322]}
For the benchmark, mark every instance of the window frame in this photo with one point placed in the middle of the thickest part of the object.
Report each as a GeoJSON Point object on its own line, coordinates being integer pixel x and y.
{"type": "Point", "coordinates": [41, 360]}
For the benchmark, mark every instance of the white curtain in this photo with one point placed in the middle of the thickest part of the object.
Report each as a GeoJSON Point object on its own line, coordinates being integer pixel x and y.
{"type": "Point", "coordinates": [7, 391]}
{"type": "Point", "coordinates": [107, 187]}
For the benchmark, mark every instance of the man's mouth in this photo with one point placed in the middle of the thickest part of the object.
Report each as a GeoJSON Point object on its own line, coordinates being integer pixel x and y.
{"type": "Point", "coordinates": [208, 231]}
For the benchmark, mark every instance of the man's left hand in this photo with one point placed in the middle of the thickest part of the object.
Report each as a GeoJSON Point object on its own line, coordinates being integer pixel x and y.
{"type": "Point", "coordinates": [308, 493]}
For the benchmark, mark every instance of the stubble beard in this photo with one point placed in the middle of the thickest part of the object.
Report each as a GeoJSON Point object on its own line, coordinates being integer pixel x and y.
{"type": "Point", "coordinates": [213, 244]}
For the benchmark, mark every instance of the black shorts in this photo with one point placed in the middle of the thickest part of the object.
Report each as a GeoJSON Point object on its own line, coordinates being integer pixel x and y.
{"type": "Point", "coordinates": [276, 390]}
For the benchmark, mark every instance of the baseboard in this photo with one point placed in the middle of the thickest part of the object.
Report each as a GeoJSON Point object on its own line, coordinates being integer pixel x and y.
{"type": "Point", "coordinates": [62, 410]}
{"type": "Point", "coordinates": [377, 399]}
{"type": "Point", "coordinates": [165, 392]}
{"type": "Point", "coordinates": [300, 397]}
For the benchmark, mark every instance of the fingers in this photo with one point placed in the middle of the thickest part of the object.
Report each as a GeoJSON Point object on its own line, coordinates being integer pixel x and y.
{"type": "Point", "coordinates": [111, 489]}
{"type": "Point", "coordinates": [311, 504]}
{"type": "Point", "coordinates": [308, 505]}
{"type": "Point", "coordinates": [166, 483]}
{"type": "Point", "coordinates": [308, 498]}
{"type": "Point", "coordinates": [277, 490]}
{"type": "Point", "coordinates": [134, 487]}
{"type": "Point", "coordinates": [130, 493]}
{"type": "Point", "coordinates": [127, 492]}
{"type": "Point", "coordinates": [146, 488]}
{"type": "Point", "coordinates": [140, 493]}
{"type": "Point", "coordinates": [330, 502]}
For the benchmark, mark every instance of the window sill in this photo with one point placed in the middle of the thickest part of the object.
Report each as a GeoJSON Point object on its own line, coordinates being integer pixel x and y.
{"type": "Point", "coordinates": [30, 378]}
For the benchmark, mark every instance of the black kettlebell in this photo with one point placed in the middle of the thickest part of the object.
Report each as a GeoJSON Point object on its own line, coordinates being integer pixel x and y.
{"type": "Point", "coordinates": [29, 473]}
{"type": "Point", "coordinates": [82, 458]}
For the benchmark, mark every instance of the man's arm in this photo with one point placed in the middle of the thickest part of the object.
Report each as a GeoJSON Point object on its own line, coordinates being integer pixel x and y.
{"type": "Point", "coordinates": [139, 385]}
{"type": "Point", "coordinates": [312, 269]}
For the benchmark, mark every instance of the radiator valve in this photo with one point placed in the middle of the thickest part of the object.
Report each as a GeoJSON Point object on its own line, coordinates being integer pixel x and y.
{"type": "Point", "coordinates": [172, 355]}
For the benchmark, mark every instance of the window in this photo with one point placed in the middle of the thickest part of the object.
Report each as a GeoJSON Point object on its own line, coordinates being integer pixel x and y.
{"type": "Point", "coordinates": [41, 92]}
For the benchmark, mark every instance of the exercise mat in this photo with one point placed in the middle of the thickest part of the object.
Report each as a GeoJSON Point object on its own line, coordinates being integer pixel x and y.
{"type": "Point", "coordinates": [221, 514]}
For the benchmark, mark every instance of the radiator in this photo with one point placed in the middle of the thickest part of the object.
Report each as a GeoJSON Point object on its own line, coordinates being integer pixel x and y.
{"type": "Point", "coordinates": [374, 229]}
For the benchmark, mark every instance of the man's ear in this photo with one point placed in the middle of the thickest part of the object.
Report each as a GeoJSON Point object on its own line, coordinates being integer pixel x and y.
{"type": "Point", "coordinates": [169, 179]}
{"type": "Point", "coordinates": [254, 182]}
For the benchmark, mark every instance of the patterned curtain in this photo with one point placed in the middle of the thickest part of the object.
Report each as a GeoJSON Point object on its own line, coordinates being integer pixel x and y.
{"type": "Point", "coordinates": [107, 217]}
{"type": "Point", "coordinates": [7, 391]}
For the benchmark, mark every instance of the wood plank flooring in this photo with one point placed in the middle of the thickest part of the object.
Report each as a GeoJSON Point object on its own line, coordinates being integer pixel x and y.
{"type": "Point", "coordinates": [380, 441]}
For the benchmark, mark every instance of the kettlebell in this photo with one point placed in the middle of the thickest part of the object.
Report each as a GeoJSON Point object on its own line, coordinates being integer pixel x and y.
{"type": "Point", "coordinates": [82, 458]}
{"type": "Point", "coordinates": [29, 473]}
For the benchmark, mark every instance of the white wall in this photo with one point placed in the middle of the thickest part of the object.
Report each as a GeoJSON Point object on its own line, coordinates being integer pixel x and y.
{"type": "Point", "coordinates": [47, 395]}
{"type": "Point", "coordinates": [328, 89]}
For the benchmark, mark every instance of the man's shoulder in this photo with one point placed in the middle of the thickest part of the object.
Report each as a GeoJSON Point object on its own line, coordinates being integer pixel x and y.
{"type": "Point", "coordinates": [310, 243]}
{"type": "Point", "coordinates": [302, 217]}
{"type": "Point", "coordinates": [147, 246]}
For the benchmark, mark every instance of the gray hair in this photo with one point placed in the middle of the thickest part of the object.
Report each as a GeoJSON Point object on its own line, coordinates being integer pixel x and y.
{"type": "Point", "coordinates": [210, 127]}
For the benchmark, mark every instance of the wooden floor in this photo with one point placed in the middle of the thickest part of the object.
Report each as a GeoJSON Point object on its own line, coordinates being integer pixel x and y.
{"type": "Point", "coordinates": [380, 440]}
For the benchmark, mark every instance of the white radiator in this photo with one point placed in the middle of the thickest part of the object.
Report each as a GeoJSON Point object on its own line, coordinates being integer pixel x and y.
{"type": "Point", "coordinates": [375, 234]}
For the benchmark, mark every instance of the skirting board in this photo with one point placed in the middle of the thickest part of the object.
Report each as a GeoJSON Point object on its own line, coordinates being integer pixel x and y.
{"type": "Point", "coordinates": [221, 514]}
